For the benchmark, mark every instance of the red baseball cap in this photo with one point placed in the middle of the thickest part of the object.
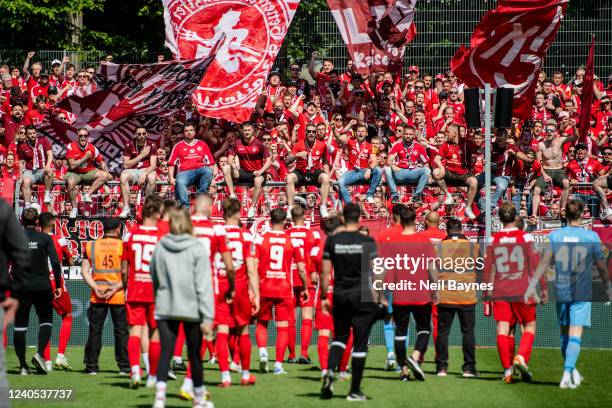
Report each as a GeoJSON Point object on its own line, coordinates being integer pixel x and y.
{"type": "Point", "coordinates": [440, 76]}
{"type": "Point", "coordinates": [413, 68]}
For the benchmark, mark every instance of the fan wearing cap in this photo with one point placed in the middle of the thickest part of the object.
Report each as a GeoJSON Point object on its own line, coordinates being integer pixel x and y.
{"type": "Point", "coordinates": [296, 98]}
{"type": "Point", "coordinates": [274, 90]}
{"type": "Point", "coordinates": [303, 87]}
{"type": "Point", "coordinates": [56, 78]}
{"type": "Point", "coordinates": [101, 270]}
{"type": "Point", "coordinates": [84, 84]}
{"type": "Point", "coordinates": [41, 88]}
{"type": "Point", "coordinates": [583, 169]}
{"type": "Point", "coordinates": [36, 116]}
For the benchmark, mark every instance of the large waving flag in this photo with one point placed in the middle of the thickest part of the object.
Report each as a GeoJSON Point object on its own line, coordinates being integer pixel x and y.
{"type": "Point", "coordinates": [128, 96]}
{"type": "Point", "coordinates": [251, 34]}
{"type": "Point", "coordinates": [587, 93]}
{"type": "Point", "coordinates": [508, 48]}
{"type": "Point", "coordinates": [375, 31]}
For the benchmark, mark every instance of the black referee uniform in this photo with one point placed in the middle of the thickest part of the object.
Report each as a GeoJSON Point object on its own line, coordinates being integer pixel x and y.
{"type": "Point", "coordinates": [353, 305]}
{"type": "Point", "coordinates": [35, 288]}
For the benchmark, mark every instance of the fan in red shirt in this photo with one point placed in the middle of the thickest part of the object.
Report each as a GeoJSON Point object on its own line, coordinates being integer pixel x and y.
{"type": "Point", "coordinates": [510, 264]}
{"type": "Point", "coordinates": [248, 162]}
{"type": "Point", "coordinates": [601, 184]}
{"type": "Point", "coordinates": [82, 159]}
{"type": "Point", "coordinates": [36, 116]}
{"type": "Point", "coordinates": [583, 169]}
{"type": "Point", "coordinates": [11, 124]}
{"type": "Point", "coordinates": [194, 163]}
{"type": "Point", "coordinates": [63, 304]}
{"type": "Point", "coordinates": [308, 157]}
{"type": "Point", "coordinates": [139, 164]}
{"type": "Point", "coordinates": [272, 255]}
{"type": "Point", "coordinates": [36, 157]}
{"type": "Point", "coordinates": [235, 312]}
{"type": "Point", "coordinates": [305, 239]}
{"type": "Point", "coordinates": [407, 164]}
{"type": "Point", "coordinates": [452, 166]}
{"type": "Point", "coordinates": [322, 77]}
{"type": "Point", "coordinates": [139, 245]}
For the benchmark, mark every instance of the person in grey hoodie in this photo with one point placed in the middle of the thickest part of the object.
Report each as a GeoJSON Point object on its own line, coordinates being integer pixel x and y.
{"type": "Point", "coordinates": [182, 281]}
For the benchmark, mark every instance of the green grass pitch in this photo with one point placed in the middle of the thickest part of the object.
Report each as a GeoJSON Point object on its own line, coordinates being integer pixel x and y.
{"type": "Point", "coordinates": [300, 387]}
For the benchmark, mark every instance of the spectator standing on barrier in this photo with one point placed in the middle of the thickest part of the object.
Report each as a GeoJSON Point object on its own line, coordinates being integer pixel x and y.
{"type": "Point", "coordinates": [35, 290]}
{"type": "Point", "coordinates": [194, 163]}
{"type": "Point", "coordinates": [450, 302]}
{"type": "Point", "coordinates": [13, 249]}
{"type": "Point", "coordinates": [362, 166]}
{"type": "Point", "coordinates": [407, 163]}
{"type": "Point", "coordinates": [36, 158]}
{"type": "Point", "coordinates": [182, 281]}
{"type": "Point", "coordinates": [101, 270]}
{"type": "Point", "coordinates": [139, 166]}
{"type": "Point", "coordinates": [354, 308]}
{"type": "Point", "coordinates": [248, 162]}
{"type": "Point", "coordinates": [82, 159]}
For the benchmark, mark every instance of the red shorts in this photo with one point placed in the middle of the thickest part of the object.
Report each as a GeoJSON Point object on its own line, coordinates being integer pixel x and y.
{"type": "Point", "coordinates": [298, 301]}
{"type": "Point", "coordinates": [514, 312]}
{"type": "Point", "coordinates": [324, 321]}
{"type": "Point", "coordinates": [283, 308]}
{"type": "Point", "coordinates": [141, 314]}
{"type": "Point", "coordinates": [63, 304]}
{"type": "Point", "coordinates": [237, 313]}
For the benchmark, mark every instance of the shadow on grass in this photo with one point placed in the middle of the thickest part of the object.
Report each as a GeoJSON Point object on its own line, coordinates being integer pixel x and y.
{"type": "Point", "coordinates": [317, 396]}
{"type": "Point", "coordinates": [303, 377]}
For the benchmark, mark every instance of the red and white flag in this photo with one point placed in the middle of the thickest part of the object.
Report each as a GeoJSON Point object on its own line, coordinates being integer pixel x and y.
{"type": "Point", "coordinates": [587, 93]}
{"type": "Point", "coordinates": [375, 31]}
{"type": "Point", "coordinates": [251, 34]}
{"type": "Point", "coordinates": [508, 48]}
{"type": "Point", "coordinates": [128, 96]}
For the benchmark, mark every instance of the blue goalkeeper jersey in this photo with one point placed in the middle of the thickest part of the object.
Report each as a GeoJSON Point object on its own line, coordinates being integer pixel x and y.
{"type": "Point", "coordinates": [575, 249]}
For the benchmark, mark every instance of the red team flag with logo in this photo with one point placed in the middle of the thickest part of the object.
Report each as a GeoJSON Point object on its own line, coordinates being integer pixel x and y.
{"type": "Point", "coordinates": [587, 93]}
{"type": "Point", "coordinates": [251, 34]}
{"type": "Point", "coordinates": [375, 31]}
{"type": "Point", "coordinates": [128, 96]}
{"type": "Point", "coordinates": [508, 48]}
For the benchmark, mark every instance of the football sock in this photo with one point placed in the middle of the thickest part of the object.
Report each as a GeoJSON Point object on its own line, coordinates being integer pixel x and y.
{"type": "Point", "coordinates": [210, 346]}
{"type": "Point", "coordinates": [358, 364]}
{"type": "Point", "coordinates": [47, 353]}
{"type": "Point", "coordinates": [64, 334]}
{"type": "Point", "coordinates": [44, 335]}
{"type": "Point", "coordinates": [572, 353]}
{"type": "Point", "coordinates": [231, 343]}
{"type": "Point", "coordinates": [389, 332]}
{"type": "Point", "coordinates": [291, 334]}
{"type": "Point", "coordinates": [160, 390]}
{"type": "Point", "coordinates": [245, 352]}
{"type": "Point", "coordinates": [261, 334]}
{"type": "Point", "coordinates": [323, 351]}
{"type": "Point", "coordinates": [526, 345]}
{"type": "Point", "coordinates": [281, 342]}
{"type": "Point", "coordinates": [187, 384]}
{"type": "Point", "coordinates": [222, 351]}
{"type": "Point", "coordinates": [19, 341]}
{"type": "Point", "coordinates": [154, 353]}
{"type": "Point", "coordinates": [225, 377]}
{"type": "Point", "coordinates": [134, 351]}
{"type": "Point", "coordinates": [336, 351]}
{"type": "Point", "coordinates": [246, 374]}
{"type": "Point", "coordinates": [503, 351]}
{"type": "Point", "coordinates": [178, 346]}
{"type": "Point", "coordinates": [564, 342]}
{"type": "Point", "coordinates": [188, 371]}
{"type": "Point", "coordinates": [346, 356]}
{"type": "Point", "coordinates": [305, 334]}
{"type": "Point", "coordinates": [236, 355]}
{"type": "Point", "coordinates": [511, 346]}
{"type": "Point", "coordinates": [145, 361]}
{"type": "Point", "coordinates": [400, 350]}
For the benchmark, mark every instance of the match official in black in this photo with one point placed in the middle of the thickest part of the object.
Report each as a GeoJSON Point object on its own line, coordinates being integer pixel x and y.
{"type": "Point", "coordinates": [36, 291]}
{"type": "Point", "coordinates": [352, 307]}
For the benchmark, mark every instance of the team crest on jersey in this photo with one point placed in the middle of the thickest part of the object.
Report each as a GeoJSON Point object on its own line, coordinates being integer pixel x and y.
{"type": "Point", "coordinates": [199, 148]}
{"type": "Point", "coordinates": [191, 151]}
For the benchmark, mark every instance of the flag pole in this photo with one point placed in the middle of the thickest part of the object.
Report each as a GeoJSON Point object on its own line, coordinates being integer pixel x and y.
{"type": "Point", "coordinates": [487, 158]}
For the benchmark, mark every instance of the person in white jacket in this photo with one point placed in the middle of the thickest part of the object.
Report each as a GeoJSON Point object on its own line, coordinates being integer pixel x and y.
{"type": "Point", "coordinates": [182, 280]}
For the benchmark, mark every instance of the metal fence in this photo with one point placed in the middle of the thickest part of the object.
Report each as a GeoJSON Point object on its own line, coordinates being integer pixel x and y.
{"type": "Point", "coordinates": [443, 25]}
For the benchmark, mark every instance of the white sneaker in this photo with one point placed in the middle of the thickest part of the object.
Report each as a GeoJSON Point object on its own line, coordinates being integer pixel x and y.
{"type": "Point", "coordinates": [135, 380]}
{"type": "Point", "coordinates": [203, 404]}
{"type": "Point", "coordinates": [151, 381]}
{"type": "Point", "coordinates": [87, 198]}
{"type": "Point", "coordinates": [171, 375]}
{"type": "Point", "coordinates": [469, 213]}
{"type": "Point", "coordinates": [344, 375]}
{"type": "Point", "coordinates": [236, 368]}
{"type": "Point", "coordinates": [48, 197]}
{"type": "Point", "coordinates": [61, 362]}
{"type": "Point", "coordinates": [323, 210]}
{"type": "Point", "coordinates": [263, 364]}
{"type": "Point", "coordinates": [74, 212]}
{"type": "Point", "coordinates": [566, 381]}
{"type": "Point", "coordinates": [448, 200]}
{"type": "Point", "coordinates": [212, 361]}
{"type": "Point", "coordinates": [252, 212]}
{"type": "Point", "coordinates": [24, 371]}
{"type": "Point", "coordinates": [49, 365]}
{"type": "Point", "coordinates": [125, 212]}
{"type": "Point", "coordinates": [159, 403]}
{"type": "Point", "coordinates": [577, 378]}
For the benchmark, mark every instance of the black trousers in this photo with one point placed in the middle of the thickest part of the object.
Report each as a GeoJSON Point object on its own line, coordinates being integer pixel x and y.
{"type": "Point", "coordinates": [96, 314]}
{"type": "Point", "coordinates": [350, 312]}
{"type": "Point", "coordinates": [168, 330]}
{"type": "Point", "coordinates": [467, 319]}
{"type": "Point", "coordinates": [42, 301]}
{"type": "Point", "coordinates": [422, 318]}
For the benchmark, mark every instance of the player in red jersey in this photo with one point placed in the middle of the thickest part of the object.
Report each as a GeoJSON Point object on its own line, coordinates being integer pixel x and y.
{"type": "Point", "coordinates": [139, 245]}
{"type": "Point", "coordinates": [305, 239]}
{"type": "Point", "coordinates": [234, 309]}
{"type": "Point", "coordinates": [63, 304]}
{"type": "Point", "coordinates": [271, 255]}
{"type": "Point", "coordinates": [510, 263]}
{"type": "Point", "coordinates": [213, 237]}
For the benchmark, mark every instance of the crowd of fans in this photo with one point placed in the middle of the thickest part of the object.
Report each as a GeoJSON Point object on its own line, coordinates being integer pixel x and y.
{"type": "Point", "coordinates": [373, 139]}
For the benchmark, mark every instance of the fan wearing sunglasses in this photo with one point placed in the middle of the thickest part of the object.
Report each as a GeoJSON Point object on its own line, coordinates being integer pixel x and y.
{"type": "Point", "coordinates": [604, 183]}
